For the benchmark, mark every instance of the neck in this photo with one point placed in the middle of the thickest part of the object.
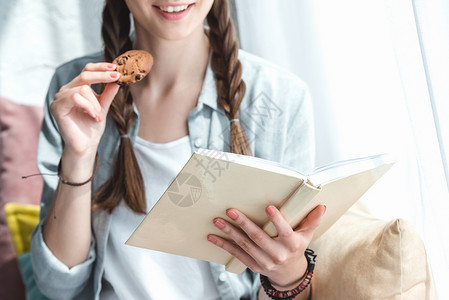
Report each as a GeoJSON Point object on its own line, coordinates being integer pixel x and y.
{"type": "Point", "coordinates": [177, 63]}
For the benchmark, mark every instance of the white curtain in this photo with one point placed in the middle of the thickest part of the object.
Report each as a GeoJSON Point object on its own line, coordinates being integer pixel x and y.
{"type": "Point", "coordinates": [378, 72]}
{"type": "Point", "coordinates": [38, 36]}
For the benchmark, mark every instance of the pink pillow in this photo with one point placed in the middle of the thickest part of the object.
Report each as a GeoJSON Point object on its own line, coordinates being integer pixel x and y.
{"type": "Point", "coordinates": [19, 132]}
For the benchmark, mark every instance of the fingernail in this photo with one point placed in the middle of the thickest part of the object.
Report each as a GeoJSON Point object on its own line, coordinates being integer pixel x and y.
{"type": "Point", "coordinates": [270, 210]}
{"type": "Point", "coordinates": [219, 224]}
{"type": "Point", "coordinates": [212, 239]}
{"type": "Point", "coordinates": [232, 214]}
{"type": "Point", "coordinates": [325, 207]}
{"type": "Point", "coordinates": [114, 75]}
{"type": "Point", "coordinates": [112, 66]}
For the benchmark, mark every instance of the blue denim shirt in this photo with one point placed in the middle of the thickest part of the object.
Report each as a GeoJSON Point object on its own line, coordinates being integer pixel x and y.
{"type": "Point", "coordinates": [276, 115]}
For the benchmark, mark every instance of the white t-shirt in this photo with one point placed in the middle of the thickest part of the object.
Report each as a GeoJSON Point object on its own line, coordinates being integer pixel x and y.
{"type": "Point", "coordinates": [135, 273]}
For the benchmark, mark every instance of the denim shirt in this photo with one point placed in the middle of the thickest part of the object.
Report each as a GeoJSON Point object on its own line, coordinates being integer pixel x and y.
{"type": "Point", "coordinates": [276, 115]}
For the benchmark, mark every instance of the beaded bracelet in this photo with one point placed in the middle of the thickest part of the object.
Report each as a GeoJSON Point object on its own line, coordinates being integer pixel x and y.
{"type": "Point", "coordinates": [78, 183]}
{"type": "Point", "coordinates": [290, 294]}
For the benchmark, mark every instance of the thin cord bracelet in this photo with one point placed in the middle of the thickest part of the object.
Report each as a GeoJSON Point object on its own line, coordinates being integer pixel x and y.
{"type": "Point", "coordinates": [290, 294]}
{"type": "Point", "coordinates": [78, 183]}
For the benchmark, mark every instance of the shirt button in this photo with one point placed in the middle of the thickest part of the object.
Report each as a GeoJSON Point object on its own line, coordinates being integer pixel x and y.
{"type": "Point", "coordinates": [222, 276]}
{"type": "Point", "coordinates": [198, 143]}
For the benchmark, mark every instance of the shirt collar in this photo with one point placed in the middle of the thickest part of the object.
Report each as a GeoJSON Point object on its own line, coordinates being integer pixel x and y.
{"type": "Point", "coordinates": [208, 94]}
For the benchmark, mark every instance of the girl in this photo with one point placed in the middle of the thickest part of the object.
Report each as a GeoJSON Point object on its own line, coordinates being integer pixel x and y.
{"type": "Point", "coordinates": [202, 92]}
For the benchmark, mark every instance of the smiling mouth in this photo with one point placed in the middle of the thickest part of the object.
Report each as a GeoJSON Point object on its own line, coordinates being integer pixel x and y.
{"type": "Point", "coordinates": [173, 9]}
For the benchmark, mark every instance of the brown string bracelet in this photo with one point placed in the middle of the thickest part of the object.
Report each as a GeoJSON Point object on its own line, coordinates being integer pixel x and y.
{"type": "Point", "coordinates": [290, 294]}
{"type": "Point", "coordinates": [78, 183]}
{"type": "Point", "coordinates": [66, 181]}
{"type": "Point", "coordinates": [63, 180]}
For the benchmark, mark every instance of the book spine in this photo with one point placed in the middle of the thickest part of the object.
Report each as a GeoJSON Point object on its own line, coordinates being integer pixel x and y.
{"type": "Point", "coordinates": [296, 207]}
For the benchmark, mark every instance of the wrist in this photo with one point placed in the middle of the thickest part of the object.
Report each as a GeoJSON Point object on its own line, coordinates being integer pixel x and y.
{"type": "Point", "coordinates": [283, 293]}
{"type": "Point", "coordinates": [292, 279]}
{"type": "Point", "coordinates": [289, 286]}
{"type": "Point", "coordinates": [77, 167]}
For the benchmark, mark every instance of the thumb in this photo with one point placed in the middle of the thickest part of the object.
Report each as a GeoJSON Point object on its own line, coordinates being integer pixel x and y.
{"type": "Point", "coordinates": [108, 95]}
{"type": "Point", "coordinates": [313, 220]}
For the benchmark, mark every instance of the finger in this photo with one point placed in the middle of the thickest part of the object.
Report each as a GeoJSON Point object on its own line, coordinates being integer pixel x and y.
{"type": "Point", "coordinates": [312, 221]}
{"type": "Point", "coordinates": [283, 228]}
{"type": "Point", "coordinates": [108, 95]}
{"type": "Point", "coordinates": [93, 77]}
{"type": "Point", "coordinates": [102, 66]}
{"type": "Point", "coordinates": [255, 233]}
{"type": "Point", "coordinates": [285, 232]}
{"type": "Point", "coordinates": [235, 251]}
{"type": "Point", "coordinates": [90, 95]}
{"type": "Point", "coordinates": [85, 105]}
{"type": "Point", "coordinates": [243, 241]}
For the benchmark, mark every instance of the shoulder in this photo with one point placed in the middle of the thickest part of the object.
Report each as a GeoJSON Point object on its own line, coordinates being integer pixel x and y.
{"type": "Point", "coordinates": [69, 70]}
{"type": "Point", "coordinates": [258, 69]}
{"type": "Point", "coordinates": [277, 86]}
{"type": "Point", "coordinates": [79, 62]}
{"type": "Point", "coordinates": [265, 78]}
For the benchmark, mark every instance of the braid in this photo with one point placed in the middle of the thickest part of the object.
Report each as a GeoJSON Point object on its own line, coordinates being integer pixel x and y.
{"type": "Point", "coordinates": [228, 72]}
{"type": "Point", "coordinates": [126, 181]}
{"type": "Point", "coordinates": [115, 29]}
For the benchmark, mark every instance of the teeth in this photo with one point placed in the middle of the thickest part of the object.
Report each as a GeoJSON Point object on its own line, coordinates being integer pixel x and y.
{"type": "Point", "coordinates": [171, 9]}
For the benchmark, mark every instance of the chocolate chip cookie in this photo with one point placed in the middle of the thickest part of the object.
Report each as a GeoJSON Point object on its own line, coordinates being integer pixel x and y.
{"type": "Point", "coordinates": [133, 66]}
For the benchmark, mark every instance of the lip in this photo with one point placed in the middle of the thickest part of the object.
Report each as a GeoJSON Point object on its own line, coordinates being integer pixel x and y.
{"type": "Point", "coordinates": [174, 16]}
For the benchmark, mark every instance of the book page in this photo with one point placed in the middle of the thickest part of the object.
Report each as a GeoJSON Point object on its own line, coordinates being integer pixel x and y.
{"type": "Point", "coordinates": [252, 161]}
{"type": "Point", "coordinates": [337, 170]}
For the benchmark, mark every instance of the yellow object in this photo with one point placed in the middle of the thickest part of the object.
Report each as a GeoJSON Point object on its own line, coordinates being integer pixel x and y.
{"type": "Point", "coordinates": [21, 219]}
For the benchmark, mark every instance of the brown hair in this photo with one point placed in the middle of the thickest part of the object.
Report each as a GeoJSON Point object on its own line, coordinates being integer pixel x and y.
{"type": "Point", "coordinates": [126, 181]}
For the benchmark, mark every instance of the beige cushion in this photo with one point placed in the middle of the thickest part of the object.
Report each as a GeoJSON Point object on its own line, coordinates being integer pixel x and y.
{"type": "Point", "coordinates": [361, 257]}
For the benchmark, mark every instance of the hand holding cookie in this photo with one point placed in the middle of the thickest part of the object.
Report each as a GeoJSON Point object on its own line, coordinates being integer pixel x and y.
{"type": "Point", "coordinates": [80, 112]}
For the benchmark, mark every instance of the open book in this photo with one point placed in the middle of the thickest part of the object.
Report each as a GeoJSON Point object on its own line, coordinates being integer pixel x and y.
{"type": "Point", "coordinates": [213, 181]}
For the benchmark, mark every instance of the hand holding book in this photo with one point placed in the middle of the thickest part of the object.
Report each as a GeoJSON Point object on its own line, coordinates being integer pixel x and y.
{"type": "Point", "coordinates": [280, 258]}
